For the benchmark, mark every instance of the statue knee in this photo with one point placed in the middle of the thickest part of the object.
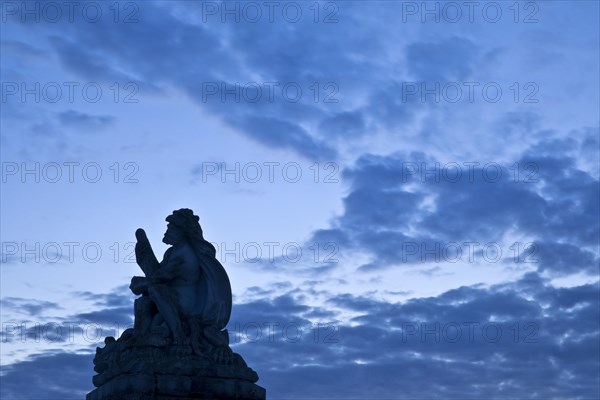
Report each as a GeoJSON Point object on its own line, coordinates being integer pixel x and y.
{"type": "Point", "coordinates": [142, 304]}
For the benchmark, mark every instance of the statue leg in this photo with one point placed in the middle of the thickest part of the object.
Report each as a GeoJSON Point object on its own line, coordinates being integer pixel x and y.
{"type": "Point", "coordinates": [166, 302]}
{"type": "Point", "coordinates": [144, 311]}
{"type": "Point", "coordinates": [216, 337]}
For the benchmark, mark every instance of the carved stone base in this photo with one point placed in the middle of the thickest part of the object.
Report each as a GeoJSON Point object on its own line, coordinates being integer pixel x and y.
{"type": "Point", "coordinates": [174, 387]}
{"type": "Point", "coordinates": [133, 369]}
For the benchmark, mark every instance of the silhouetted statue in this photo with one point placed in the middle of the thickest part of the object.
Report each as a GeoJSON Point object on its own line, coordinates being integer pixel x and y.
{"type": "Point", "coordinates": [178, 333]}
{"type": "Point", "coordinates": [188, 288]}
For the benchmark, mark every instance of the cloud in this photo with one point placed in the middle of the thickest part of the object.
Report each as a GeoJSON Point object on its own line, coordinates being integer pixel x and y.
{"type": "Point", "coordinates": [518, 124]}
{"type": "Point", "coordinates": [121, 316]}
{"type": "Point", "coordinates": [280, 133]}
{"type": "Point", "coordinates": [391, 106]}
{"type": "Point", "coordinates": [331, 70]}
{"type": "Point", "coordinates": [525, 337]}
{"type": "Point", "coordinates": [120, 296]}
{"type": "Point", "coordinates": [51, 375]}
{"type": "Point", "coordinates": [21, 50]}
{"type": "Point", "coordinates": [190, 56]}
{"type": "Point", "coordinates": [30, 307]}
{"type": "Point", "coordinates": [48, 322]}
{"type": "Point", "coordinates": [403, 200]}
{"type": "Point", "coordinates": [564, 259]}
{"type": "Point", "coordinates": [80, 120]}
{"type": "Point", "coordinates": [347, 124]}
{"type": "Point", "coordinates": [393, 348]}
{"type": "Point", "coordinates": [414, 209]}
{"type": "Point", "coordinates": [449, 59]}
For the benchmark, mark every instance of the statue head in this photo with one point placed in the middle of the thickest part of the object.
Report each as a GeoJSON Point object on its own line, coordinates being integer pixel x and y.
{"type": "Point", "coordinates": [183, 225]}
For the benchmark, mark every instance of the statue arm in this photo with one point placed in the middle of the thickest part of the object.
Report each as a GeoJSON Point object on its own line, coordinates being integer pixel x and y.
{"type": "Point", "coordinates": [145, 258]}
{"type": "Point", "coordinates": [169, 269]}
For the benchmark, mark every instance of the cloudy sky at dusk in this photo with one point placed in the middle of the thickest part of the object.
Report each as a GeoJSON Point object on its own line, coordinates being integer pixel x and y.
{"type": "Point", "coordinates": [405, 195]}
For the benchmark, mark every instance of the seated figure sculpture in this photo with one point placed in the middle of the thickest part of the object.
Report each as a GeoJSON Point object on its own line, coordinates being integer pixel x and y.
{"type": "Point", "coordinates": [187, 290]}
{"type": "Point", "coordinates": [178, 345]}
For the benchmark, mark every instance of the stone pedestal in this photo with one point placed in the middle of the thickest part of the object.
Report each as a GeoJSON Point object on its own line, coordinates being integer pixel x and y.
{"type": "Point", "coordinates": [174, 387]}
{"type": "Point", "coordinates": [132, 370]}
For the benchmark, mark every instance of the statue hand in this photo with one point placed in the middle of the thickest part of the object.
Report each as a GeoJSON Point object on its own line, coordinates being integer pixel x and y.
{"type": "Point", "coordinates": [142, 244]}
{"type": "Point", "coordinates": [144, 255]}
{"type": "Point", "coordinates": [140, 235]}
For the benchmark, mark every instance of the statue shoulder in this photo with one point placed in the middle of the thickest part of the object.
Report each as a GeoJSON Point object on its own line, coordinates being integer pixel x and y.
{"type": "Point", "coordinates": [168, 253]}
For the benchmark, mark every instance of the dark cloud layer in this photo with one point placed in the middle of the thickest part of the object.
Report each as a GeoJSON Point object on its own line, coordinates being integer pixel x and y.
{"type": "Point", "coordinates": [50, 376]}
{"type": "Point", "coordinates": [524, 339]}
{"type": "Point", "coordinates": [29, 307]}
{"type": "Point", "coordinates": [547, 198]}
{"type": "Point", "coordinates": [288, 86]}
{"type": "Point", "coordinates": [388, 353]}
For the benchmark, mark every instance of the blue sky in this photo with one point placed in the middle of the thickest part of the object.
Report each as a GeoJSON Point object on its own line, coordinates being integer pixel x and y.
{"type": "Point", "coordinates": [404, 194]}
